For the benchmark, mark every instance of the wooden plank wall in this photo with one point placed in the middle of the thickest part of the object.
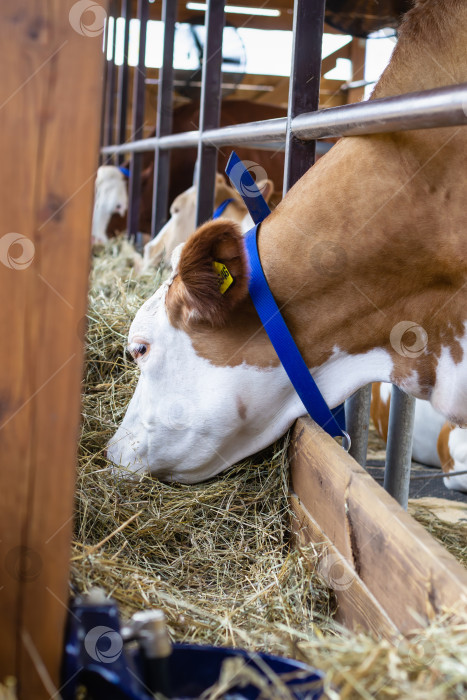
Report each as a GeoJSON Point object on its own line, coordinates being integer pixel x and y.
{"type": "Point", "coordinates": [387, 572]}
{"type": "Point", "coordinates": [50, 99]}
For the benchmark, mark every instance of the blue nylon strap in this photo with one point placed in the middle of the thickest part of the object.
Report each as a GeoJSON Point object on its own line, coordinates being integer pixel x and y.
{"type": "Point", "coordinates": [221, 208]}
{"type": "Point", "coordinates": [247, 188]}
{"type": "Point", "coordinates": [332, 421]}
{"type": "Point", "coordinates": [284, 344]}
{"type": "Point", "coordinates": [125, 171]}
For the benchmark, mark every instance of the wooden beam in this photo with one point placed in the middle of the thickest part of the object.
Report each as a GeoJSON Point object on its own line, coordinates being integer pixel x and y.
{"type": "Point", "coordinates": [357, 606]}
{"type": "Point", "coordinates": [410, 575]}
{"type": "Point", "coordinates": [50, 93]}
{"type": "Point", "coordinates": [330, 61]}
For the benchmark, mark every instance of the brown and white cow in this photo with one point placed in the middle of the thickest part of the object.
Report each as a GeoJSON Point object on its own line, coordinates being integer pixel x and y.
{"type": "Point", "coordinates": [436, 442]}
{"type": "Point", "coordinates": [182, 220]}
{"type": "Point", "coordinates": [110, 197]}
{"type": "Point", "coordinates": [372, 238]}
{"type": "Point", "coordinates": [182, 160]}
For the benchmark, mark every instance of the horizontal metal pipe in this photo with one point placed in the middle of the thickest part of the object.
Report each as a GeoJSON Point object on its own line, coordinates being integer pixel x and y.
{"type": "Point", "coordinates": [419, 110]}
{"type": "Point", "coordinates": [225, 86]}
{"type": "Point", "coordinates": [268, 130]}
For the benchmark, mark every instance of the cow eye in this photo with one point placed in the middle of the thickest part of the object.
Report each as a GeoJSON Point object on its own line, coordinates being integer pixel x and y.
{"type": "Point", "coordinates": [137, 350]}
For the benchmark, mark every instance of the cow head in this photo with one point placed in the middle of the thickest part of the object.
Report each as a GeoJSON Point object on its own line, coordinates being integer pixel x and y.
{"type": "Point", "coordinates": [111, 197]}
{"type": "Point", "coordinates": [182, 220]}
{"type": "Point", "coordinates": [211, 390]}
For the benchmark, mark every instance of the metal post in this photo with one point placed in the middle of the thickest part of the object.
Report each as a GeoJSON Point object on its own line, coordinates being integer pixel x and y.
{"type": "Point", "coordinates": [109, 135]}
{"type": "Point", "coordinates": [122, 94]}
{"type": "Point", "coordinates": [210, 107]}
{"type": "Point", "coordinates": [137, 123]}
{"type": "Point", "coordinates": [308, 24]}
{"type": "Point", "coordinates": [102, 134]}
{"type": "Point", "coordinates": [160, 197]}
{"type": "Point", "coordinates": [399, 450]}
{"type": "Point", "coordinates": [357, 419]}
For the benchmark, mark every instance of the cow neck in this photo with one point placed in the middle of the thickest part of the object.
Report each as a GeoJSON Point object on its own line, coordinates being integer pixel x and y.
{"type": "Point", "coordinates": [430, 51]}
{"type": "Point", "coordinates": [356, 247]}
{"type": "Point", "coordinates": [372, 235]}
{"type": "Point", "coordinates": [352, 252]}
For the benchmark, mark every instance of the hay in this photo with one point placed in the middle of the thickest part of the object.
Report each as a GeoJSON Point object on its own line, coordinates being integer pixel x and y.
{"type": "Point", "coordinates": [216, 557]}
{"type": "Point", "coordinates": [453, 536]}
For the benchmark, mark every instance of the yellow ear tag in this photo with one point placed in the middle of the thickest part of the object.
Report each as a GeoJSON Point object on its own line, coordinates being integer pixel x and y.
{"type": "Point", "coordinates": [225, 278]}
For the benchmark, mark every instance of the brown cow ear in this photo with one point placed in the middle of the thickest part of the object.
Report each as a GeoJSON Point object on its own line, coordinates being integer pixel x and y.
{"type": "Point", "coordinates": [213, 271]}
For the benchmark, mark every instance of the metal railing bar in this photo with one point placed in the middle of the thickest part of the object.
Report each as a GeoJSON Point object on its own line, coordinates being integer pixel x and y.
{"type": "Point", "coordinates": [123, 74]}
{"type": "Point", "coordinates": [442, 107]}
{"type": "Point", "coordinates": [210, 108]}
{"type": "Point", "coordinates": [357, 418]}
{"type": "Point", "coordinates": [399, 446]}
{"type": "Point", "coordinates": [445, 106]}
{"type": "Point", "coordinates": [225, 86]}
{"type": "Point", "coordinates": [134, 186]}
{"type": "Point", "coordinates": [161, 183]}
{"type": "Point", "coordinates": [304, 84]}
{"type": "Point", "coordinates": [111, 77]}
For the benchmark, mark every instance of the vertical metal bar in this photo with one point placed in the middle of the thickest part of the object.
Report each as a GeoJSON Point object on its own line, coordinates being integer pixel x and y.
{"type": "Point", "coordinates": [137, 122]}
{"type": "Point", "coordinates": [210, 107]}
{"type": "Point", "coordinates": [357, 420]}
{"type": "Point", "coordinates": [160, 197]}
{"type": "Point", "coordinates": [111, 81]}
{"type": "Point", "coordinates": [122, 94]}
{"type": "Point", "coordinates": [308, 24]}
{"type": "Point", "coordinates": [399, 450]}
{"type": "Point", "coordinates": [357, 407]}
{"type": "Point", "coordinates": [103, 158]}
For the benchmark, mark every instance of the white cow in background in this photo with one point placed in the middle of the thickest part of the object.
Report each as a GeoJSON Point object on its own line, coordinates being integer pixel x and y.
{"type": "Point", "coordinates": [436, 442]}
{"type": "Point", "coordinates": [182, 220]}
{"type": "Point", "coordinates": [111, 197]}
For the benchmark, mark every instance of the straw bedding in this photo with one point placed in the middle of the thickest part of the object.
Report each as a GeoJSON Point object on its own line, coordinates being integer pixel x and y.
{"type": "Point", "coordinates": [217, 557]}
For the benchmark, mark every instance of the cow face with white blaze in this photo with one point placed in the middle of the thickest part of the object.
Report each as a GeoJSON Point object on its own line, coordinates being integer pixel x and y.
{"type": "Point", "coordinates": [182, 220]}
{"type": "Point", "coordinates": [190, 416]}
{"type": "Point", "coordinates": [111, 197]}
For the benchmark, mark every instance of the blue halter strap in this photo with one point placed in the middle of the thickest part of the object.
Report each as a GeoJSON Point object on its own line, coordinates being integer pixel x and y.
{"type": "Point", "coordinates": [333, 422]}
{"type": "Point", "coordinates": [221, 208]}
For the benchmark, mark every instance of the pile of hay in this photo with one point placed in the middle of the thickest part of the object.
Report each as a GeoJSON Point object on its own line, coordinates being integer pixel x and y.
{"type": "Point", "coordinates": [217, 556]}
{"type": "Point", "coordinates": [453, 536]}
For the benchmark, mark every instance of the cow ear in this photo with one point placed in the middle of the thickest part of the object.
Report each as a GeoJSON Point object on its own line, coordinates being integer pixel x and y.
{"type": "Point", "coordinates": [213, 271]}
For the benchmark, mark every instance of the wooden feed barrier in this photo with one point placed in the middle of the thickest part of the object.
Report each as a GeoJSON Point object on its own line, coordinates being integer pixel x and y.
{"type": "Point", "coordinates": [51, 92]}
{"type": "Point", "coordinates": [389, 575]}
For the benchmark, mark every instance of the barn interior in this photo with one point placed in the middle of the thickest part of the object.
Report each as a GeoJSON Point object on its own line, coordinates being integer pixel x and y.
{"type": "Point", "coordinates": [239, 83]}
{"type": "Point", "coordinates": [222, 559]}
